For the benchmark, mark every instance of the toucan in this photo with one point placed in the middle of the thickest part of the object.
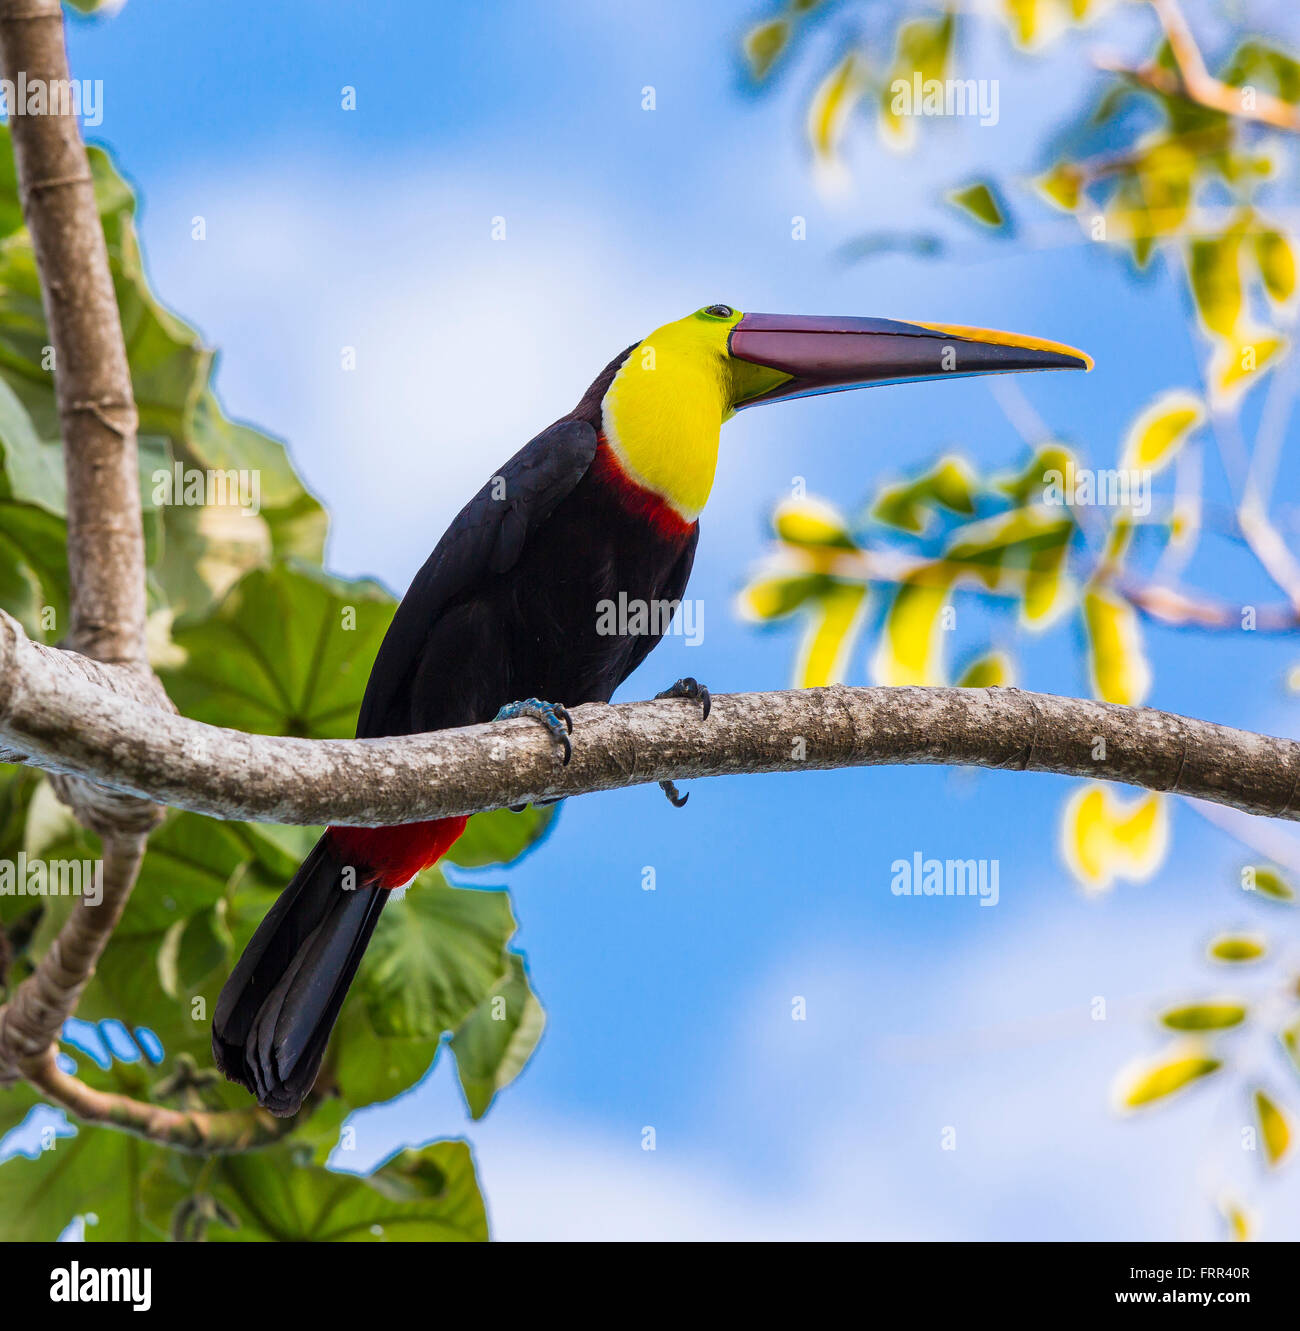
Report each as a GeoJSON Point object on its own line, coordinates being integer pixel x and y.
{"type": "Point", "coordinates": [502, 619]}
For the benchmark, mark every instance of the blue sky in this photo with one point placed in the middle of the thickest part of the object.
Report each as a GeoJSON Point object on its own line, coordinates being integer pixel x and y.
{"type": "Point", "coordinates": [370, 228]}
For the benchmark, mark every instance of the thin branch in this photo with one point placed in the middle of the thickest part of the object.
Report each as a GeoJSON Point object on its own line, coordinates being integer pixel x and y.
{"type": "Point", "coordinates": [202, 1131]}
{"type": "Point", "coordinates": [1194, 83]}
{"type": "Point", "coordinates": [65, 723]}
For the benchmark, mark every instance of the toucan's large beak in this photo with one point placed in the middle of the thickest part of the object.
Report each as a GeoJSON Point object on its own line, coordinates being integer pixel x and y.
{"type": "Point", "coordinates": [827, 354]}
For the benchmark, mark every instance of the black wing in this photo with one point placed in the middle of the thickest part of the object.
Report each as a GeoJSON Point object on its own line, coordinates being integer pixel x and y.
{"type": "Point", "coordinates": [486, 537]}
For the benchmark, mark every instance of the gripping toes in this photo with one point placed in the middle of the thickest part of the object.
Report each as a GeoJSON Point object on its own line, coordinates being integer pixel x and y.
{"type": "Point", "coordinates": [555, 718]}
{"type": "Point", "coordinates": [692, 690]}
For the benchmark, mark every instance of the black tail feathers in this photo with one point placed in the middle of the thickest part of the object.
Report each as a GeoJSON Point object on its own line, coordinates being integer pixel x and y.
{"type": "Point", "coordinates": [276, 1012]}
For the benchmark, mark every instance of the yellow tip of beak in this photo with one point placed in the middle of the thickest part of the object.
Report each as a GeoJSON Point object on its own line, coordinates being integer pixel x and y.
{"type": "Point", "coordinates": [996, 338]}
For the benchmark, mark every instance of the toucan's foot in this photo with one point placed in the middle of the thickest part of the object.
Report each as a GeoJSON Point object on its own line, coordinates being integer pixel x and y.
{"type": "Point", "coordinates": [555, 718]}
{"type": "Point", "coordinates": [693, 691]}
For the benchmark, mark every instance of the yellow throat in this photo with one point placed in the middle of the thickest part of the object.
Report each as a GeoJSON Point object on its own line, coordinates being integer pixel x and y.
{"type": "Point", "coordinates": [663, 412]}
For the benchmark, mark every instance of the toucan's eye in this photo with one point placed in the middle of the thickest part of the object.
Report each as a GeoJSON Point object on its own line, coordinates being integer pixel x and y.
{"type": "Point", "coordinates": [720, 311]}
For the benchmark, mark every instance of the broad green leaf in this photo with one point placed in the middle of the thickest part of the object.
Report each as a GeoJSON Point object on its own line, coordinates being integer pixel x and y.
{"type": "Point", "coordinates": [910, 650]}
{"type": "Point", "coordinates": [1149, 1082]}
{"type": "Point", "coordinates": [494, 1042]}
{"type": "Point", "coordinates": [1274, 1128]}
{"type": "Point", "coordinates": [1160, 430]}
{"type": "Point", "coordinates": [1236, 948]}
{"type": "Point", "coordinates": [500, 837]}
{"type": "Point", "coordinates": [429, 1195]}
{"type": "Point", "coordinates": [978, 200]}
{"type": "Point", "coordinates": [436, 953]}
{"type": "Point", "coordinates": [834, 623]}
{"type": "Point", "coordinates": [288, 652]}
{"type": "Point", "coordinates": [367, 1067]}
{"type": "Point", "coordinates": [1105, 837]}
{"type": "Point", "coordinates": [1117, 662]}
{"type": "Point", "coordinates": [95, 1174]}
{"type": "Point", "coordinates": [1219, 1015]}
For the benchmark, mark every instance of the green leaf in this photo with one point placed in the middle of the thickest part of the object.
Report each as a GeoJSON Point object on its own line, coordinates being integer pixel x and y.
{"type": "Point", "coordinates": [775, 596]}
{"type": "Point", "coordinates": [436, 954]}
{"type": "Point", "coordinates": [95, 1174]}
{"type": "Point", "coordinates": [910, 506]}
{"type": "Point", "coordinates": [763, 44]}
{"type": "Point", "coordinates": [500, 837]}
{"type": "Point", "coordinates": [429, 1195]}
{"type": "Point", "coordinates": [1268, 882]}
{"type": "Point", "coordinates": [980, 201]}
{"type": "Point", "coordinates": [1219, 1015]}
{"type": "Point", "coordinates": [1236, 948]}
{"type": "Point", "coordinates": [812, 524]}
{"type": "Point", "coordinates": [287, 652]}
{"type": "Point", "coordinates": [494, 1042]}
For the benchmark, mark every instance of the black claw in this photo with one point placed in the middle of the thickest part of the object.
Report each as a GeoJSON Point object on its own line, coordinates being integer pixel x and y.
{"type": "Point", "coordinates": [675, 798]}
{"type": "Point", "coordinates": [568, 748]}
{"type": "Point", "coordinates": [693, 691]}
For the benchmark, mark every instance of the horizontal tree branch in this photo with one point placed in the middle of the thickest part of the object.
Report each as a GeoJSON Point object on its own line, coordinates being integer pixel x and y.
{"type": "Point", "coordinates": [64, 720]}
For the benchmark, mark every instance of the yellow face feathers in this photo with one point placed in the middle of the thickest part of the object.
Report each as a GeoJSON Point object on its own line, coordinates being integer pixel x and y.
{"type": "Point", "coordinates": [665, 408]}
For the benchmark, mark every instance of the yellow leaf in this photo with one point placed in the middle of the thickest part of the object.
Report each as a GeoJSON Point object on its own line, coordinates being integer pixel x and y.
{"type": "Point", "coordinates": [1274, 1128]}
{"type": "Point", "coordinates": [1290, 1037]}
{"type": "Point", "coordinates": [1240, 1222]}
{"type": "Point", "coordinates": [832, 104]}
{"type": "Point", "coordinates": [812, 523]}
{"type": "Point", "coordinates": [1217, 1015]}
{"type": "Point", "coordinates": [1236, 948]}
{"type": "Point", "coordinates": [994, 670]}
{"type": "Point", "coordinates": [1237, 360]}
{"type": "Point", "coordinates": [828, 643]}
{"type": "Point", "coordinates": [1276, 260]}
{"type": "Point", "coordinates": [1215, 269]}
{"type": "Point", "coordinates": [1161, 430]}
{"type": "Point", "coordinates": [1062, 186]}
{"type": "Point", "coordinates": [1105, 837]}
{"type": "Point", "coordinates": [910, 650]}
{"type": "Point", "coordinates": [776, 595]}
{"type": "Point", "coordinates": [921, 55]}
{"type": "Point", "coordinates": [1146, 1082]}
{"type": "Point", "coordinates": [1120, 672]}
